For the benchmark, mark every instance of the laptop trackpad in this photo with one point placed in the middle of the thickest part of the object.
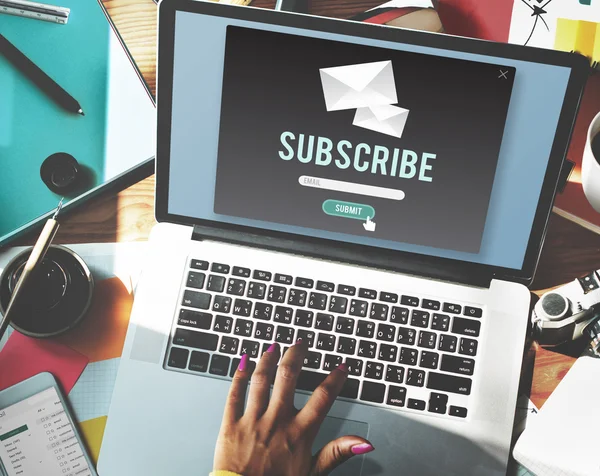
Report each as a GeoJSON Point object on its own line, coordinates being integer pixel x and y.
{"type": "Point", "coordinates": [333, 428]}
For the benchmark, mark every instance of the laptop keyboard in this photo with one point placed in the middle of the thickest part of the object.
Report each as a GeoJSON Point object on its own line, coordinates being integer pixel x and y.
{"type": "Point", "coordinates": [406, 352]}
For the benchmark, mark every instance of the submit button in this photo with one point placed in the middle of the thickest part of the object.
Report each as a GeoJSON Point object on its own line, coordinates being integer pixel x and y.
{"type": "Point", "coordinates": [357, 211]}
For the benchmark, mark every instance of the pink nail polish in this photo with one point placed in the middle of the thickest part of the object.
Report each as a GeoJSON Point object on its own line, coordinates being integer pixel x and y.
{"type": "Point", "coordinates": [362, 448]}
{"type": "Point", "coordinates": [299, 341]}
{"type": "Point", "coordinates": [243, 363]}
{"type": "Point", "coordinates": [343, 367]}
{"type": "Point", "coordinates": [272, 348]}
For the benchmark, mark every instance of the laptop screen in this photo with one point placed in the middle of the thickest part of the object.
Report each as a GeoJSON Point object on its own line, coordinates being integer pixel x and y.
{"type": "Point", "coordinates": [390, 145]}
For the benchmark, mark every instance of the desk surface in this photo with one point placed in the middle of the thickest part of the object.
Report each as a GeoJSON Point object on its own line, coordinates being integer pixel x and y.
{"type": "Point", "coordinates": [569, 251]}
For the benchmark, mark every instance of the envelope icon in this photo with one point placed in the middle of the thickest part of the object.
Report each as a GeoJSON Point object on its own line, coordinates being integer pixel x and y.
{"type": "Point", "coordinates": [358, 85]}
{"type": "Point", "coordinates": [386, 119]}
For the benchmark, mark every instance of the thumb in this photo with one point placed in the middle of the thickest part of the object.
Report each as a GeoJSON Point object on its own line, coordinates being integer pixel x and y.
{"type": "Point", "coordinates": [336, 452]}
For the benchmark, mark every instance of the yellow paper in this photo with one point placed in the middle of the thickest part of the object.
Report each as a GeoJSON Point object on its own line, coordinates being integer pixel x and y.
{"type": "Point", "coordinates": [92, 432]}
{"type": "Point", "coordinates": [578, 35]}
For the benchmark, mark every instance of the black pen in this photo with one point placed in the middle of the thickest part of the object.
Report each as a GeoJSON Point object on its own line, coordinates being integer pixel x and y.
{"type": "Point", "coordinates": [38, 77]}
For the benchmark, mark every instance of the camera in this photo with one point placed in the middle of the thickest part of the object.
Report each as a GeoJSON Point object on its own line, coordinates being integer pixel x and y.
{"type": "Point", "coordinates": [569, 312]}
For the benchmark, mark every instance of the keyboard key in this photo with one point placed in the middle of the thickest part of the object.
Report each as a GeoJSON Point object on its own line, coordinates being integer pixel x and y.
{"type": "Point", "coordinates": [263, 311]}
{"type": "Point", "coordinates": [242, 307]}
{"type": "Point", "coordinates": [223, 324]}
{"type": "Point", "coordinates": [419, 318]}
{"type": "Point", "coordinates": [249, 347]}
{"type": "Point", "coordinates": [399, 315]}
{"type": "Point", "coordinates": [472, 311]}
{"type": "Point", "coordinates": [331, 361]}
{"type": "Point", "coordinates": [415, 404]}
{"type": "Point", "coordinates": [312, 360]}
{"type": "Point", "coordinates": [374, 370]}
{"type": "Point", "coordinates": [276, 294]}
{"type": "Point", "coordinates": [449, 383]}
{"type": "Point", "coordinates": [229, 345]}
{"type": "Point", "coordinates": [344, 325]}
{"type": "Point", "coordinates": [309, 380]}
{"type": "Point", "coordinates": [304, 318]}
{"type": "Point", "coordinates": [347, 290]}
{"type": "Point", "coordinates": [243, 328]}
{"type": "Point", "coordinates": [367, 293]}
{"type": "Point", "coordinates": [388, 352]}
{"type": "Point", "coordinates": [388, 297]}
{"type": "Point", "coordinates": [453, 308]}
{"type": "Point", "coordinates": [297, 297]}
{"type": "Point", "coordinates": [318, 301]}
{"type": "Point", "coordinates": [394, 374]}
{"type": "Point", "coordinates": [358, 308]}
{"type": "Point", "coordinates": [219, 364]}
{"type": "Point", "coordinates": [195, 280]}
{"type": "Point", "coordinates": [195, 339]}
{"type": "Point", "coordinates": [457, 365]}
{"type": "Point", "coordinates": [324, 322]}
{"type": "Point", "coordinates": [386, 332]}
{"type": "Point", "coordinates": [346, 345]}
{"type": "Point", "coordinates": [408, 356]}
{"type": "Point", "coordinates": [304, 283]}
{"type": "Point", "coordinates": [427, 340]}
{"type": "Point", "coordinates": [178, 358]}
{"type": "Point", "coordinates": [257, 290]}
{"type": "Point", "coordinates": [326, 342]}
{"type": "Point", "coordinates": [306, 336]}
{"type": "Point", "coordinates": [415, 377]}
{"type": "Point", "coordinates": [236, 286]}
{"type": "Point", "coordinates": [199, 320]}
{"type": "Point", "coordinates": [467, 346]}
{"type": "Point", "coordinates": [215, 283]}
{"type": "Point", "coordinates": [457, 411]}
{"type": "Point", "coordinates": [355, 366]}
{"type": "Point", "coordinates": [284, 335]}
{"type": "Point", "coordinates": [396, 396]}
{"type": "Point", "coordinates": [367, 349]}
{"type": "Point", "coordinates": [235, 364]}
{"type": "Point", "coordinates": [430, 304]}
{"type": "Point", "coordinates": [264, 331]}
{"type": "Point", "coordinates": [467, 327]}
{"type": "Point", "coordinates": [325, 286]}
{"type": "Point", "coordinates": [283, 279]}
{"type": "Point", "coordinates": [372, 392]}
{"type": "Point", "coordinates": [338, 304]}
{"type": "Point", "coordinates": [261, 275]}
{"type": "Point", "coordinates": [365, 329]}
{"type": "Point", "coordinates": [199, 264]}
{"type": "Point", "coordinates": [437, 403]}
{"type": "Point", "coordinates": [440, 322]}
{"type": "Point", "coordinates": [448, 343]}
{"type": "Point", "coordinates": [406, 335]}
{"type": "Point", "coordinates": [220, 268]}
{"type": "Point", "coordinates": [379, 311]}
{"type": "Point", "coordinates": [429, 360]}
{"type": "Point", "coordinates": [199, 361]}
{"type": "Point", "coordinates": [409, 301]}
{"type": "Point", "coordinates": [283, 314]}
{"type": "Point", "coordinates": [196, 299]}
{"type": "Point", "coordinates": [222, 304]}
{"type": "Point", "coordinates": [241, 272]}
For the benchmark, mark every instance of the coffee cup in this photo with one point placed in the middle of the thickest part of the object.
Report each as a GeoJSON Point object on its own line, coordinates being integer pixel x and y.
{"type": "Point", "coordinates": [590, 167]}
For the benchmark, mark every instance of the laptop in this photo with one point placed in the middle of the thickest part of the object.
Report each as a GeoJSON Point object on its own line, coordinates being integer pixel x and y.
{"type": "Point", "coordinates": [381, 193]}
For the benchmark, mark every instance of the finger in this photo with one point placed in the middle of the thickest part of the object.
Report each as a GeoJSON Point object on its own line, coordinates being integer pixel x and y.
{"type": "Point", "coordinates": [336, 452]}
{"type": "Point", "coordinates": [287, 376]}
{"type": "Point", "coordinates": [260, 383]}
{"type": "Point", "coordinates": [320, 402]}
{"type": "Point", "coordinates": [234, 406]}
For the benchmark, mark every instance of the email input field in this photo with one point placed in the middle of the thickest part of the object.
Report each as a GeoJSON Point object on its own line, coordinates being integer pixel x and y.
{"type": "Point", "coordinates": [350, 187]}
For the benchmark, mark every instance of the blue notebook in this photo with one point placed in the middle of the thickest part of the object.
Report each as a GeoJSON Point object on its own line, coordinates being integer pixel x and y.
{"type": "Point", "coordinates": [116, 135]}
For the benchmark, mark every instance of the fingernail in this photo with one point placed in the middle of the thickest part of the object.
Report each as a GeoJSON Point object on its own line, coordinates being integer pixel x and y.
{"type": "Point", "coordinates": [362, 448]}
{"type": "Point", "coordinates": [299, 341]}
{"type": "Point", "coordinates": [272, 348]}
{"type": "Point", "coordinates": [343, 367]}
{"type": "Point", "coordinates": [243, 363]}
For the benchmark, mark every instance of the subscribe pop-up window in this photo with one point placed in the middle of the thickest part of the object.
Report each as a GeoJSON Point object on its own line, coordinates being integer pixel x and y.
{"type": "Point", "coordinates": [356, 139]}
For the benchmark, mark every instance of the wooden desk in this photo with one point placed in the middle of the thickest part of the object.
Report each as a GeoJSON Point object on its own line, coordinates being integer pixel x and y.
{"type": "Point", "coordinates": [569, 251]}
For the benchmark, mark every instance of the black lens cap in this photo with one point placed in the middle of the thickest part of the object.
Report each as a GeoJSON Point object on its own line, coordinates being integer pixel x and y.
{"type": "Point", "coordinates": [60, 172]}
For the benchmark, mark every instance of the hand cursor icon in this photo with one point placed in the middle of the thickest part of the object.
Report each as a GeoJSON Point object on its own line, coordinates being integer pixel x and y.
{"type": "Point", "coordinates": [369, 225]}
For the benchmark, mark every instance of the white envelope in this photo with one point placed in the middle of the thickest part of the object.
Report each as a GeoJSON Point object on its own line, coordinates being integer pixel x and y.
{"type": "Point", "coordinates": [386, 119]}
{"type": "Point", "coordinates": [358, 85]}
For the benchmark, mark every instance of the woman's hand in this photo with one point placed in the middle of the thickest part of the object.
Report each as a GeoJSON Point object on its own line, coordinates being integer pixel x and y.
{"type": "Point", "coordinates": [270, 437]}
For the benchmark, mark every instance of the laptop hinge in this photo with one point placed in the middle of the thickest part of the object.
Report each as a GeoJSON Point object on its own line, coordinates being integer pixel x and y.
{"type": "Point", "coordinates": [406, 263]}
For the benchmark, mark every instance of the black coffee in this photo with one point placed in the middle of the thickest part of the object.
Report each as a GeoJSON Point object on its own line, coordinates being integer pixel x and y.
{"type": "Point", "coordinates": [596, 147]}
